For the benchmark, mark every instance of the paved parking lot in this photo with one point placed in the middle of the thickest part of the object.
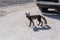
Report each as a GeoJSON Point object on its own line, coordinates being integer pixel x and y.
{"type": "Point", "coordinates": [14, 25]}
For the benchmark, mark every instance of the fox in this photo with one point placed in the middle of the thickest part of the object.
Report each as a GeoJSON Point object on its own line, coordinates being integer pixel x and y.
{"type": "Point", "coordinates": [38, 17]}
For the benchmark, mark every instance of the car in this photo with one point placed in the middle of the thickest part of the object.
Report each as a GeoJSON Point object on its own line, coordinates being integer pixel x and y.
{"type": "Point", "coordinates": [44, 5]}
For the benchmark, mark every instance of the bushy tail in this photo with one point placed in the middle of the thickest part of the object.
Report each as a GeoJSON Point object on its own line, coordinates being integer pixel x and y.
{"type": "Point", "coordinates": [45, 21]}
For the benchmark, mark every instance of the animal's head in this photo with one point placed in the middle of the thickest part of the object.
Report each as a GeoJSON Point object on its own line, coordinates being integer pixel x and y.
{"type": "Point", "coordinates": [27, 14]}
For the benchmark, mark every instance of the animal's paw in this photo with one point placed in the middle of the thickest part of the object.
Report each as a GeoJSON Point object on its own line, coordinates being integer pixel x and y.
{"type": "Point", "coordinates": [38, 25]}
{"type": "Point", "coordinates": [29, 25]}
{"type": "Point", "coordinates": [41, 25]}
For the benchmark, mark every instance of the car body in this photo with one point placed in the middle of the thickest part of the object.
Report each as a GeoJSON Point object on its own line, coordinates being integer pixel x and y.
{"type": "Point", "coordinates": [44, 5]}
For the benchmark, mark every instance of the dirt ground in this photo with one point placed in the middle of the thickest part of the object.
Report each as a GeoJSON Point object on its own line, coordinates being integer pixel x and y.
{"type": "Point", "coordinates": [14, 24]}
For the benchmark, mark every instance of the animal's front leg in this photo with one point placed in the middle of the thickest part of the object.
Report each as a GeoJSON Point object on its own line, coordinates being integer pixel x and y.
{"type": "Point", "coordinates": [30, 24]}
{"type": "Point", "coordinates": [33, 23]}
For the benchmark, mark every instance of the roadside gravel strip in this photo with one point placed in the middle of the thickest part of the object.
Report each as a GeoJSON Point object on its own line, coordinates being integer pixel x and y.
{"type": "Point", "coordinates": [16, 7]}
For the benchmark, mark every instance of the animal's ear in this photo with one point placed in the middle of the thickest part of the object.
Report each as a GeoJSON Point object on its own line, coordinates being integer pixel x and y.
{"type": "Point", "coordinates": [29, 13]}
{"type": "Point", "coordinates": [26, 13]}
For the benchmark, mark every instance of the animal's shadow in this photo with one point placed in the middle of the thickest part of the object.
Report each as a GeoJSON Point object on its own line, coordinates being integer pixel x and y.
{"type": "Point", "coordinates": [47, 27]}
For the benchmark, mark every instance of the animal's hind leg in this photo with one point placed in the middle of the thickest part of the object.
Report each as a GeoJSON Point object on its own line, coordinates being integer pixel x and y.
{"type": "Point", "coordinates": [41, 23]}
{"type": "Point", "coordinates": [39, 20]}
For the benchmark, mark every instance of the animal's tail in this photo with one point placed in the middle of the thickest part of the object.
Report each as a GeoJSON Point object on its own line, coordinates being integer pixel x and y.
{"type": "Point", "coordinates": [45, 21]}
